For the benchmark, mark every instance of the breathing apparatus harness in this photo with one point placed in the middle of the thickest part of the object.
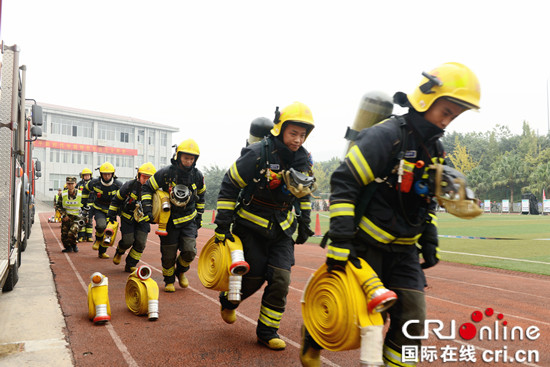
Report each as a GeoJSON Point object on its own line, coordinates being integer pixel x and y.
{"type": "Point", "coordinates": [180, 194]}
{"type": "Point", "coordinates": [295, 183]}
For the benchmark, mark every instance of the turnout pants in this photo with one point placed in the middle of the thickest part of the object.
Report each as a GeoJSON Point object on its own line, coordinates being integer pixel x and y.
{"type": "Point", "coordinates": [399, 269]}
{"type": "Point", "coordinates": [134, 237]}
{"type": "Point", "coordinates": [270, 260]}
{"type": "Point", "coordinates": [100, 225]}
{"type": "Point", "coordinates": [182, 239]}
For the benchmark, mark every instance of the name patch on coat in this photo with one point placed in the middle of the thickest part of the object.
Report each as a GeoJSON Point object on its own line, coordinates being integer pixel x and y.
{"type": "Point", "coordinates": [274, 166]}
{"type": "Point", "coordinates": [410, 154]}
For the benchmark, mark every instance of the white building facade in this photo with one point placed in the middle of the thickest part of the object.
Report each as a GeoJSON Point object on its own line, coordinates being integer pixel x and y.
{"type": "Point", "coordinates": [74, 139]}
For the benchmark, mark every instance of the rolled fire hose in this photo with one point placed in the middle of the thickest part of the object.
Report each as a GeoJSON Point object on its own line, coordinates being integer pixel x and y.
{"type": "Point", "coordinates": [222, 265]}
{"type": "Point", "coordinates": [110, 233]}
{"type": "Point", "coordinates": [334, 308]}
{"type": "Point", "coordinates": [142, 293]}
{"type": "Point", "coordinates": [161, 211]}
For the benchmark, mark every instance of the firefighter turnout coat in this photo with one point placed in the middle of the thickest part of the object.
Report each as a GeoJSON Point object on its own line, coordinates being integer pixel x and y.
{"type": "Point", "coordinates": [125, 200]}
{"type": "Point", "coordinates": [166, 179]}
{"type": "Point", "coordinates": [395, 213]}
{"type": "Point", "coordinates": [103, 193]}
{"type": "Point", "coordinates": [253, 192]}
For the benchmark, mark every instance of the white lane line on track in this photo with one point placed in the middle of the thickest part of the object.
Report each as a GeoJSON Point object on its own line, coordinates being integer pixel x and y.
{"type": "Point", "coordinates": [485, 286]}
{"type": "Point", "coordinates": [248, 319]}
{"type": "Point", "coordinates": [118, 342]}
{"type": "Point", "coordinates": [482, 307]}
{"type": "Point", "coordinates": [495, 257]}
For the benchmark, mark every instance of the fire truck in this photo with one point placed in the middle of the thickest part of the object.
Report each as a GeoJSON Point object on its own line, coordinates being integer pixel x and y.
{"type": "Point", "coordinates": [19, 127]}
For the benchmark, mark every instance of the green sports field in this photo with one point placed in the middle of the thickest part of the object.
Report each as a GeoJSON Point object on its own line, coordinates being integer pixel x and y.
{"type": "Point", "coordinates": [506, 241]}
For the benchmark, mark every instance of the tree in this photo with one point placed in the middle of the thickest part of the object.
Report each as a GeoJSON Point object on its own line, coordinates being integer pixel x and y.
{"type": "Point", "coordinates": [461, 160]}
{"type": "Point", "coordinates": [213, 177]}
{"type": "Point", "coordinates": [509, 171]}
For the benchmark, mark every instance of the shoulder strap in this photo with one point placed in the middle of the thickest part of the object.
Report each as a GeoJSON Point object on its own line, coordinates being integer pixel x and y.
{"type": "Point", "coordinates": [261, 167]}
{"type": "Point", "coordinates": [398, 152]}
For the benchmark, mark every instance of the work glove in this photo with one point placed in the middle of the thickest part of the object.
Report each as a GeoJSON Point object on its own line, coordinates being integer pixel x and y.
{"type": "Point", "coordinates": [304, 232]}
{"type": "Point", "coordinates": [429, 248]}
{"type": "Point", "coordinates": [223, 233]}
{"type": "Point", "coordinates": [198, 221]}
{"type": "Point", "coordinates": [337, 256]}
{"type": "Point", "coordinates": [147, 217]}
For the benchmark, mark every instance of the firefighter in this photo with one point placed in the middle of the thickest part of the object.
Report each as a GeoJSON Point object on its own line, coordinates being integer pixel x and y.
{"type": "Point", "coordinates": [134, 228]}
{"type": "Point", "coordinates": [57, 215]}
{"type": "Point", "coordinates": [398, 220]}
{"type": "Point", "coordinates": [105, 188]}
{"type": "Point", "coordinates": [69, 204]}
{"type": "Point", "coordinates": [185, 184]}
{"type": "Point", "coordinates": [258, 202]}
{"type": "Point", "coordinates": [86, 232]}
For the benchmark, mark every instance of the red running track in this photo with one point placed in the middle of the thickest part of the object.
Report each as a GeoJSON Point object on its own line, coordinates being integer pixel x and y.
{"type": "Point", "coordinates": [191, 332]}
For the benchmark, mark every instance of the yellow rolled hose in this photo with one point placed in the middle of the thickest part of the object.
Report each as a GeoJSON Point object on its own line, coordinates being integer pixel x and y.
{"type": "Point", "coordinates": [161, 211]}
{"type": "Point", "coordinates": [110, 233]}
{"type": "Point", "coordinates": [216, 263]}
{"type": "Point", "coordinates": [140, 290]}
{"type": "Point", "coordinates": [334, 306]}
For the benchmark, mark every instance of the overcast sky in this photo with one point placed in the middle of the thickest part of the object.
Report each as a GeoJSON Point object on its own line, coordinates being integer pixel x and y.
{"type": "Point", "coordinates": [211, 67]}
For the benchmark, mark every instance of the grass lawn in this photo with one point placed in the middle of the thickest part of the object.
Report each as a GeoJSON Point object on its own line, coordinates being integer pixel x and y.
{"type": "Point", "coordinates": [522, 244]}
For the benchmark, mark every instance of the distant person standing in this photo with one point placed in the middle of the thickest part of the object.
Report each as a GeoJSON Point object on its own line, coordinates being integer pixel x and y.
{"type": "Point", "coordinates": [69, 204]}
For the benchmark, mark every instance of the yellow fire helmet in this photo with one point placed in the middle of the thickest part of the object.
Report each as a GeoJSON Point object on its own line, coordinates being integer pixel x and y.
{"type": "Point", "coordinates": [454, 81]}
{"type": "Point", "coordinates": [107, 168]}
{"type": "Point", "coordinates": [188, 146]}
{"type": "Point", "coordinates": [296, 112]}
{"type": "Point", "coordinates": [147, 169]}
{"type": "Point", "coordinates": [86, 171]}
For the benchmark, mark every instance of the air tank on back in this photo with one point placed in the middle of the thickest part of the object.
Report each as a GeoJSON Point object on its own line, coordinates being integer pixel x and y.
{"type": "Point", "coordinates": [375, 106]}
{"type": "Point", "coordinates": [259, 128]}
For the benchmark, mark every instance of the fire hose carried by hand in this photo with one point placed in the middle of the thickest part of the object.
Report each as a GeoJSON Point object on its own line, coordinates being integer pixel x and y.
{"type": "Point", "coordinates": [222, 265]}
{"type": "Point", "coordinates": [338, 310]}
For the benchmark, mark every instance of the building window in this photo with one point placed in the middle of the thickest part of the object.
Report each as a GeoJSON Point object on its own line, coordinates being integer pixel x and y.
{"type": "Point", "coordinates": [163, 139]}
{"type": "Point", "coordinates": [54, 155]}
{"type": "Point", "coordinates": [71, 126]}
{"type": "Point", "coordinates": [151, 137]}
{"type": "Point", "coordinates": [141, 136]}
{"type": "Point", "coordinates": [115, 133]}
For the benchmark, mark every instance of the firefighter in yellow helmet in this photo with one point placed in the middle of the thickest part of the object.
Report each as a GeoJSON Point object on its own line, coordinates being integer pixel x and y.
{"type": "Point", "coordinates": [105, 188]}
{"type": "Point", "coordinates": [69, 204]}
{"type": "Point", "coordinates": [396, 217]}
{"type": "Point", "coordinates": [185, 184]}
{"type": "Point", "coordinates": [257, 201]}
{"type": "Point", "coordinates": [86, 231]}
{"type": "Point", "coordinates": [134, 226]}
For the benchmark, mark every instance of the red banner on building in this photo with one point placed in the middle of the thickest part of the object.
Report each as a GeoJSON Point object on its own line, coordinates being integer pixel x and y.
{"type": "Point", "coordinates": [83, 147]}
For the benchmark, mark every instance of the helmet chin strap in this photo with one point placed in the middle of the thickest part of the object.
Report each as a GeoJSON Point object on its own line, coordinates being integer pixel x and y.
{"type": "Point", "coordinates": [108, 183]}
